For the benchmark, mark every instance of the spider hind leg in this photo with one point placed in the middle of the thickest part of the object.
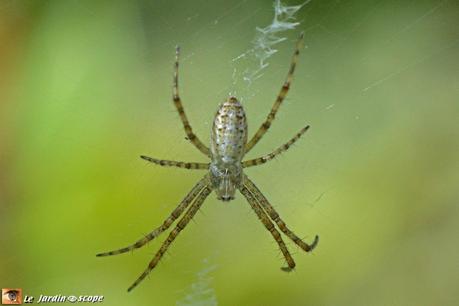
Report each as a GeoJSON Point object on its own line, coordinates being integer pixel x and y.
{"type": "Point", "coordinates": [179, 106]}
{"type": "Point", "coordinates": [280, 98]}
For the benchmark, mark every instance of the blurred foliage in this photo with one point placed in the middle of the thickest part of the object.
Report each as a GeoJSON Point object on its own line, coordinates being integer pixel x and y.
{"type": "Point", "coordinates": [85, 88]}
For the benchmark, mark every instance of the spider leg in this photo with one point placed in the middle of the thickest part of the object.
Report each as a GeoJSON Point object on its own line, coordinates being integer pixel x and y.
{"type": "Point", "coordinates": [166, 224]}
{"type": "Point", "coordinates": [275, 216]}
{"type": "Point", "coordinates": [269, 226]}
{"type": "Point", "coordinates": [178, 104]}
{"type": "Point", "coordinates": [179, 164]}
{"type": "Point", "coordinates": [180, 226]}
{"type": "Point", "coordinates": [281, 149]}
{"type": "Point", "coordinates": [280, 98]}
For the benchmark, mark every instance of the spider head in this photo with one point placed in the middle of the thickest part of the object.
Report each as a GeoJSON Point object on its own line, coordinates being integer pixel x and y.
{"type": "Point", "coordinates": [225, 180]}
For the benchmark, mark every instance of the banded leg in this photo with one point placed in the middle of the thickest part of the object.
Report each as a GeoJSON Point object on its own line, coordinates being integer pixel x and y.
{"type": "Point", "coordinates": [275, 216]}
{"type": "Point", "coordinates": [179, 164]}
{"type": "Point", "coordinates": [280, 98]}
{"type": "Point", "coordinates": [282, 148]}
{"type": "Point", "coordinates": [180, 226]}
{"type": "Point", "coordinates": [178, 104]}
{"type": "Point", "coordinates": [166, 224]}
{"type": "Point", "coordinates": [269, 226]}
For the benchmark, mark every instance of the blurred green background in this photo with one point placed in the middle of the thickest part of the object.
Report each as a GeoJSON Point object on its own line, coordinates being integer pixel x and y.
{"type": "Point", "coordinates": [85, 88]}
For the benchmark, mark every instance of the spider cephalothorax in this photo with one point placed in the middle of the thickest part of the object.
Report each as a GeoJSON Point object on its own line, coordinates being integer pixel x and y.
{"type": "Point", "coordinates": [225, 172]}
{"type": "Point", "coordinates": [225, 179]}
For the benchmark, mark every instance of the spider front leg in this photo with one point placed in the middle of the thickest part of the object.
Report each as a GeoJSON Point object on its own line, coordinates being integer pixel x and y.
{"type": "Point", "coordinates": [269, 226]}
{"type": "Point", "coordinates": [280, 98]}
{"type": "Point", "coordinates": [166, 224]}
{"type": "Point", "coordinates": [275, 216]}
{"type": "Point", "coordinates": [179, 227]}
{"type": "Point", "coordinates": [178, 104]}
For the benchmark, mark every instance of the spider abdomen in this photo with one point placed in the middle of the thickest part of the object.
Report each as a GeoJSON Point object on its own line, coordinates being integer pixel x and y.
{"type": "Point", "coordinates": [229, 133]}
{"type": "Point", "coordinates": [228, 139]}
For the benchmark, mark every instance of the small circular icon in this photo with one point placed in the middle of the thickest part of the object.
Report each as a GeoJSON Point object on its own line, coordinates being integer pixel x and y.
{"type": "Point", "coordinates": [72, 298]}
{"type": "Point", "coordinates": [12, 295]}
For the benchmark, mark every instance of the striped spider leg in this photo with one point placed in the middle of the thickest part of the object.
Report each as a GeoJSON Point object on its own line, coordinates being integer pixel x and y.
{"type": "Point", "coordinates": [280, 98]}
{"type": "Point", "coordinates": [260, 199]}
{"type": "Point", "coordinates": [269, 226]}
{"type": "Point", "coordinates": [178, 104]}
{"type": "Point", "coordinates": [180, 226]}
{"type": "Point", "coordinates": [225, 175]}
{"type": "Point", "coordinates": [166, 224]}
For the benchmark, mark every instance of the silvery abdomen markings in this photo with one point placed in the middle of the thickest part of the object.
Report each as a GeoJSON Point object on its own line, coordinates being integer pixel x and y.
{"type": "Point", "coordinates": [229, 133]}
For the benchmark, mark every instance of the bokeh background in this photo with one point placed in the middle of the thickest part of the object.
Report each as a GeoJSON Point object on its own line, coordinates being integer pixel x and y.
{"type": "Point", "coordinates": [85, 88]}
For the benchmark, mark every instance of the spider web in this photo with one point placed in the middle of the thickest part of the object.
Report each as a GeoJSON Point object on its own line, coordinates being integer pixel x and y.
{"type": "Point", "coordinates": [265, 42]}
{"type": "Point", "coordinates": [201, 291]}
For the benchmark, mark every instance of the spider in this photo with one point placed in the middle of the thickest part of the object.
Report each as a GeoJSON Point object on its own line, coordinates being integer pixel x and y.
{"type": "Point", "coordinates": [225, 173]}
